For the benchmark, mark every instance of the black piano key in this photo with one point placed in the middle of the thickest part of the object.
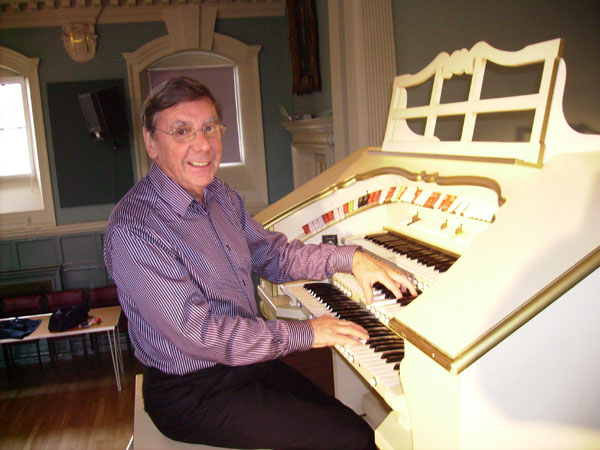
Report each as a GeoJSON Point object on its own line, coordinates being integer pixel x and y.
{"type": "Point", "coordinates": [392, 356]}
{"type": "Point", "coordinates": [412, 249]}
{"type": "Point", "coordinates": [406, 300]}
{"type": "Point", "coordinates": [376, 344]}
{"type": "Point", "coordinates": [387, 338]}
{"type": "Point", "coordinates": [388, 347]}
{"type": "Point", "coordinates": [387, 293]}
{"type": "Point", "coordinates": [378, 333]}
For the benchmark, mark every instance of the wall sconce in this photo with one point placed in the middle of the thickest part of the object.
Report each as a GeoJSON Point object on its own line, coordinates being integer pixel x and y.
{"type": "Point", "coordinates": [79, 41]}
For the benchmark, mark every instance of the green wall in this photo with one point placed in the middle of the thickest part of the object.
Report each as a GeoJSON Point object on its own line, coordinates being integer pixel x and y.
{"type": "Point", "coordinates": [421, 30]}
{"type": "Point", "coordinates": [275, 86]}
{"type": "Point", "coordinates": [425, 28]}
{"type": "Point", "coordinates": [115, 39]}
{"type": "Point", "coordinates": [56, 66]}
{"type": "Point", "coordinates": [76, 260]}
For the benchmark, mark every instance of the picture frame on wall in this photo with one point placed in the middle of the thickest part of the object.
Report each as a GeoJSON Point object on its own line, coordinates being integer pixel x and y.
{"type": "Point", "coordinates": [304, 46]}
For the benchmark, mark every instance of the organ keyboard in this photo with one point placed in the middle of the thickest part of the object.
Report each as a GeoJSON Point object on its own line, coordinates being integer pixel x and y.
{"type": "Point", "coordinates": [424, 263]}
{"type": "Point", "coordinates": [380, 371]}
{"type": "Point", "coordinates": [501, 241]}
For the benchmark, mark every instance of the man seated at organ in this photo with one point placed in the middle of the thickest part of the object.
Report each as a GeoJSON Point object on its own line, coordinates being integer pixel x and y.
{"type": "Point", "coordinates": [181, 248]}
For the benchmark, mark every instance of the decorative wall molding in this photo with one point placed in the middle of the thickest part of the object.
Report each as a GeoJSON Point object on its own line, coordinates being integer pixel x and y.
{"type": "Point", "coordinates": [28, 14]}
{"type": "Point", "coordinates": [79, 40]}
{"type": "Point", "coordinates": [38, 232]}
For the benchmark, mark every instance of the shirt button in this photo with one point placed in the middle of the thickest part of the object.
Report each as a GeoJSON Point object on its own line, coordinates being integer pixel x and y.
{"type": "Point", "coordinates": [228, 247]}
{"type": "Point", "coordinates": [244, 283]}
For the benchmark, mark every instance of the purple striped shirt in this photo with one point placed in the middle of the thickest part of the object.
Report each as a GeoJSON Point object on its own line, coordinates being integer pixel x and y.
{"type": "Point", "coordinates": [183, 275]}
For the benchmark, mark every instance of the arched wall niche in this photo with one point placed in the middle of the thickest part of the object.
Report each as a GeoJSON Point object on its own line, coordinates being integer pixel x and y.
{"type": "Point", "coordinates": [248, 177]}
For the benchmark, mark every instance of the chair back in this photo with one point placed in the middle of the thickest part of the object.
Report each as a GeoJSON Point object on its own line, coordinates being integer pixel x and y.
{"type": "Point", "coordinates": [22, 306]}
{"type": "Point", "coordinates": [103, 296]}
{"type": "Point", "coordinates": [55, 300]}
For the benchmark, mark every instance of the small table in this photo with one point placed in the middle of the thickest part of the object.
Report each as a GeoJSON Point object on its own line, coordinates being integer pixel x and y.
{"type": "Point", "coordinates": [109, 319]}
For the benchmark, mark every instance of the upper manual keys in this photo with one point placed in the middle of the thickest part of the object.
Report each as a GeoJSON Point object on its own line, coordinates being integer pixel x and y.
{"type": "Point", "coordinates": [385, 306]}
{"type": "Point", "coordinates": [380, 292]}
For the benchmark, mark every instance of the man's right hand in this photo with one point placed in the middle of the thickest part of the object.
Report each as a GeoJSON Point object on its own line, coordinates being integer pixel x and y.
{"type": "Point", "coordinates": [329, 331]}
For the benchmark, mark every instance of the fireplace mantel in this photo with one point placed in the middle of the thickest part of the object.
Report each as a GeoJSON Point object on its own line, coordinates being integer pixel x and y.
{"type": "Point", "coordinates": [312, 147]}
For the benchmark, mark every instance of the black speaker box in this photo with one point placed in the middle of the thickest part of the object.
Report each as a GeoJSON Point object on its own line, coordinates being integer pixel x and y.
{"type": "Point", "coordinates": [104, 113]}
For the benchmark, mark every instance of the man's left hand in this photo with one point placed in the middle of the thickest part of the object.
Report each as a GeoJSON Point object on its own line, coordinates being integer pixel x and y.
{"type": "Point", "coordinates": [368, 270]}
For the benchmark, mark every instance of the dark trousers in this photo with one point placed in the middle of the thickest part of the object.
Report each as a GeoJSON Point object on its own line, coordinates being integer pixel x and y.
{"type": "Point", "coordinates": [267, 405]}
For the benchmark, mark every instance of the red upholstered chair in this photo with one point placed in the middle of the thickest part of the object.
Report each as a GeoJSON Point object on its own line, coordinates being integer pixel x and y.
{"type": "Point", "coordinates": [17, 307]}
{"type": "Point", "coordinates": [55, 300]}
{"type": "Point", "coordinates": [22, 306]}
{"type": "Point", "coordinates": [107, 296]}
{"type": "Point", "coordinates": [103, 296]}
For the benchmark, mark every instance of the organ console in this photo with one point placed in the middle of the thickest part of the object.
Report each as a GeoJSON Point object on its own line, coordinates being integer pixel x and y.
{"type": "Point", "coordinates": [501, 240]}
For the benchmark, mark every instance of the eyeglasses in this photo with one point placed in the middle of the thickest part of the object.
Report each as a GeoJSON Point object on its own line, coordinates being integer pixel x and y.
{"type": "Point", "coordinates": [187, 133]}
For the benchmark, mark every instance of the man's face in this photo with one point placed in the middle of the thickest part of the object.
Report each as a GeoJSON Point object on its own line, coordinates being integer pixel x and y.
{"type": "Point", "coordinates": [192, 164]}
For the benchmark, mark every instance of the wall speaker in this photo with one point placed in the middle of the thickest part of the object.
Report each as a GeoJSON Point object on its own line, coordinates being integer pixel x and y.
{"type": "Point", "coordinates": [104, 113]}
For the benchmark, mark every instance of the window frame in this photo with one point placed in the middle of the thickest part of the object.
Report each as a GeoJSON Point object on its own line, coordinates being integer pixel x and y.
{"type": "Point", "coordinates": [22, 222]}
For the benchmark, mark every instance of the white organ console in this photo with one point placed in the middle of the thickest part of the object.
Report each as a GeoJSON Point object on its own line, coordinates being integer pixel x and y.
{"type": "Point", "coordinates": [498, 350]}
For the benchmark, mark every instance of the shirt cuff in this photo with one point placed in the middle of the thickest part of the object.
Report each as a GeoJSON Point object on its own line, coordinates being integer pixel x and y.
{"type": "Point", "coordinates": [342, 258]}
{"type": "Point", "coordinates": [301, 335]}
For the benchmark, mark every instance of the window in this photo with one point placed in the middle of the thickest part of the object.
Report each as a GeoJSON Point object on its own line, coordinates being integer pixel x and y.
{"type": "Point", "coordinates": [15, 128]}
{"type": "Point", "coordinates": [25, 191]}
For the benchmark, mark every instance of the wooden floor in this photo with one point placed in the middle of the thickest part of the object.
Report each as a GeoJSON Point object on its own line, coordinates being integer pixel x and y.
{"type": "Point", "coordinates": [76, 405]}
